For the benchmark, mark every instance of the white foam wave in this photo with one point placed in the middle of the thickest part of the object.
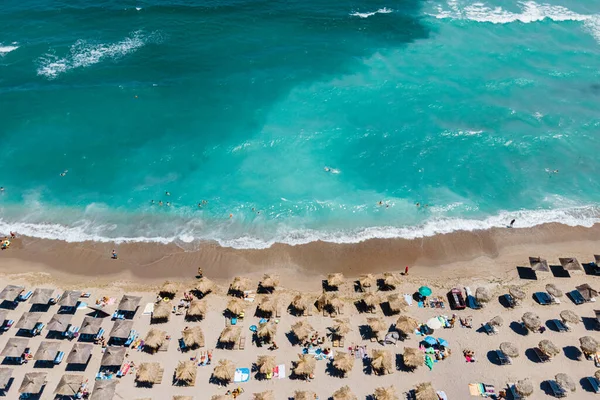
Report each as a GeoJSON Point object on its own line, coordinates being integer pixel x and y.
{"type": "Point", "coordinates": [530, 12]}
{"type": "Point", "coordinates": [83, 54]}
{"type": "Point", "coordinates": [383, 10]}
{"type": "Point", "coordinates": [4, 50]}
{"type": "Point", "coordinates": [585, 216]}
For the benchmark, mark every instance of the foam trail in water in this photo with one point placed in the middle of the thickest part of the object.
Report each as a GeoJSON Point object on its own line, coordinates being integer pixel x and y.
{"type": "Point", "coordinates": [6, 49]}
{"type": "Point", "coordinates": [384, 10]}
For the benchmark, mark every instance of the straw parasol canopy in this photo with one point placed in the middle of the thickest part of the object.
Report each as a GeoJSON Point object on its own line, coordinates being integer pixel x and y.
{"type": "Point", "coordinates": [396, 303]}
{"type": "Point", "coordinates": [524, 387]}
{"type": "Point", "coordinates": [406, 324]}
{"type": "Point", "coordinates": [204, 286]}
{"type": "Point", "coordinates": [343, 362]}
{"type": "Point", "coordinates": [41, 296]}
{"type": "Point", "coordinates": [168, 289]}
{"type": "Point", "coordinates": [121, 329]}
{"type": "Point", "coordinates": [302, 329]}
{"type": "Point", "coordinates": [425, 391]}
{"type": "Point", "coordinates": [366, 281]}
{"type": "Point", "coordinates": [386, 393]}
{"type": "Point", "coordinates": [305, 366]}
{"type": "Point", "coordinates": [553, 290]}
{"type": "Point", "coordinates": [341, 327]}
{"type": "Point", "coordinates": [155, 338]}
{"type": "Point", "coordinates": [180, 397]}
{"type": "Point", "coordinates": [113, 356]}
{"type": "Point", "coordinates": [59, 322]}
{"type": "Point", "coordinates": [532, 321]}
{"type": "Point", "coordinates": [265, 364]}
{"type": "Point", "coordinates": [588, 345]}
{"type": "Point", "coordinates": [11, 292]}
{"type": "Point", "coordinates": [129, 303]}
{"type": "Point", "coordinates": [193, 337]}
{"type": "Point", "coordinates": [497, 321]}
{"type": "Point", "coordinates": [47, 351]}
{"type": "Point", "coordinates": [517, 293]}
{"type": "Point", "coordinates": [33, 382]}
{"type": "Point", "coordinates": [236, 306]}
{"type": "Point", "coordinates": [267, 330]}
{"type": "Point", "coordinates": [377, 324]}
{"type": "Point", "coordinates": [14, 347]}
{"type": "Point", "coordinates": [413, 358]}
{"type": "Point", "coordinates": [239, 285]}
{"type": "Point", "coordinates": [69, 385]}
{"type": "Point", "coordinates": [267, 305]}
{"type": "Point", "coordinates": [162, 311]}
{"type": "Point", "coordinates": [391, 280]}
{"type": "Point", "coordinates": [196, 310]}
{"type": "Point", "coordinates": [5, 375]}
{"type": "Point", "coordinates": [104, 389]}
{"type": "Point", "coordinates": [80, 353]}
{"type": "Point", "coordinates": [483, 295]}
{"type": "Point", "coordinates": [90, 326]}
{"type": "Point", "coordinates": [548, 348]}
{"type": "Point", "coordinates": [28, 320]}
{"type": "Point", "coordinates": [344, 393]}
{"type": "Point", "coordinates": [149, 372]}
{"type": "Point", "coordinates": [382, 362]}
{"type": "Point", "coordinates": [186, 372]}
{"type": "Point", "coordinates": [370, 299]}
{"type": "Point", "coordinates": [304, 395]}
{"type": "Point", "coordinates": [230, 334]}
{"type": "Point", "coordinates": [539, 264]}
{"type": "Point", "coordinates": [597, 374]}
{"type": "Point", "coordinates": [335, 280]}
{"type": "Point", "coordinates": [220, 397]}
{"type": "Point", "coordinates": [301, 302]}
{"type": "Point", "coordinates": [570, 264]}
{"type": "Point", "coordinates": [267, 395]}
{"type": "Point", "coordinates": [224, 371]}
{"type": "Point", "coordinates": [329, 301]}
{"type": "Point", "coordinates": [509, 349]}
{"type": "Point", "coordinates": [565, 382]}
{"type": "Point", "coordinates": [569, 317]}
{"type": "Point", "coordinates": [269, 282]}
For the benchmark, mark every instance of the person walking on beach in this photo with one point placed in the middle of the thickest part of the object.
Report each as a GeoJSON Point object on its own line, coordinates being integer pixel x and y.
{"type": "Point", "coordinates": [511, 223]}
{"type": "Point", "coordinates": [114, 254]}
{"type": "Point", "coordinates": [406, 270]}
{"type": "Point", "coordinates": [200, 273]}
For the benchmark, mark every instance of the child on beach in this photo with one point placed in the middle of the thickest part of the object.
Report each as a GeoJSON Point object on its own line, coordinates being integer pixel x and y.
{"type": "Point", "coordinates": [114, 255]}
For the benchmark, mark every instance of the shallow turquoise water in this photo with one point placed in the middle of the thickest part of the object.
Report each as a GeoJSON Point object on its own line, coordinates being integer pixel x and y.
{"type": "Point", "coordinates": [463, 106]}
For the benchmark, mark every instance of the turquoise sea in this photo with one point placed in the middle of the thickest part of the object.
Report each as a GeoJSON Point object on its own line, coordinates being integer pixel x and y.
{"type": "Point", "coordinates": [292, 120]}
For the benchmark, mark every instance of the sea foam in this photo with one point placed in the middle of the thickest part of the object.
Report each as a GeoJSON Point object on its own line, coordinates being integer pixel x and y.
{"type": "Point", "coordinates": [6, 49]}
{"type": "Point", "coordinates": [383, 10]}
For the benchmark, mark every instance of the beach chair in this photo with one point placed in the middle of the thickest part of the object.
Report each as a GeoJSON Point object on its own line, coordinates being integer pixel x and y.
{"type": "Point", "coordinates": [72, 332]}
{"type": "Point", "coordinates": [7, 324]}
{"type": "Point", "coordinates": [594, 383]}
{"type": "Point", "coordinates": [542, 298]}
{"type": "Point", "coordinates": [242, 344]}
{"type": "Point", "coordinates": [509, 301]}
{"type": "Point", "coordinates": [59, 357]}
{"type": "Point", "coordinates": [25, 296]}
{"type": "Point", "coordinates": [489, 329]}
{"type": "Point", "coordinates": [556, 390]}
{"type": "Point", "coordinates": [560, 326]}
{"type": "Point", "coordinates": [513, 392]}
{"type": "Point", "coordinates": [503, 359]}
{"type": "Point", "coordinates": [37, 329]}
{"type": "Point", "coordinates": [541, 356]}
{"type": "Point", "coordinates": [132, 336]}
{"type": "Point", "coordinates": [576, 297]}
{"type": "Point", "coordinates": [99, 334]}
{"type": "Point", "coordinates": [473, 303]}
{"type": "Point", "coordinates": [182, 346]}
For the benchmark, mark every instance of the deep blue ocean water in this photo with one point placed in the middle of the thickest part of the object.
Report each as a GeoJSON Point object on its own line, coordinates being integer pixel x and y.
{"type": "Point", "coordinates": [293, 120]}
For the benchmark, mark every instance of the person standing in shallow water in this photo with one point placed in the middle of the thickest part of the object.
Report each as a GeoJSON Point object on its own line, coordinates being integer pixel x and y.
{"type": "Point", "coordinates": [114, 254]}
{"type": "Point", "coordinates": [511, 223]}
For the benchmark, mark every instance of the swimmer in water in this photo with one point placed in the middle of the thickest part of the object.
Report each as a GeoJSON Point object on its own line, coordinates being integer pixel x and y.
{"type": "Point", "coordinates": [1, 188]}
{"type": "Point", "coordinates": [160, 203]}
{"type": "Point", "coordinates": [418, 204]}
{"type": "Point", "coordinates": [64, 172]}
{"type": "Point", "coordinates": [167, 194]}
{"type": "Point", "coordinates": [199, 205]}
{"type": "Point", "coordinates": [152, 202]}
{"type": "Point", "coordinates": [380, 203]}
{"type": "Point", "coordinates": [168, 204]}
{"type": "Point", "coordinates": [327, 169]}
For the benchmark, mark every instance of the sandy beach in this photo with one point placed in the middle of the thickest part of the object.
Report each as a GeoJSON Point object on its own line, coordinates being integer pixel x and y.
{"type": "Point", "coordinates": [464, 259]}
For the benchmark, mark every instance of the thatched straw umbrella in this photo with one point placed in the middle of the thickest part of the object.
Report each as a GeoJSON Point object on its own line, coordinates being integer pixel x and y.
{"type": "Point", "coordinates": [517, 293]}
{"type": "Point", "coordinates": [553, 290]}
{"type": "Point", "coordinates": [186, 373]}
{"type": "Point", "coordinates": [377, 325]}
{"type": "Point", "coordinates": [28, 320]}
{"type": "Point", "coordinates": [149, 373]}
{"type": "Point", "coordinates": [597, 374]}
{"type": "Point", "coordinates": [224, 371]}
{"type": "Point", "coordinates": [509, 349]}
{"type": "Point", "coordinates": [168, 290]}
{"type": "Point", "coordinates": [396, 303]}
{"type": "Point", "coordinates": [524, 387]}
{"type": "Point", "coordinates": [539, 264]}
{"type": "Point", "coordinates": [341, 327]}
{"type": "Point", "coordinates": [304, 395]}
{"type": "Point", "coordinates": [204, 286]}
{"type": "Point", "coordinates": [104, 389]}
{"type": "Point", "coordinates": [239, 285]}
{"type": "Point", "coordinates": [386, 393]}
{"type": "Point", "coordinates": [265, 364]}
{"type": "Point", "coordinates": [588, 345]}
{"type": "Point", "coordinates": [155, 339]}
{"type": "Point", "coordinates": [113, 356]}
{"type": "Point", "coordinates": [381, 362]}
{"type": "Point", "coordinates": [548, 348]}
{"type": "Point", "coordinates": [406, 324]}
{"type": "Point", "coordinates": [305, 366]}
{"type": "Point", "coordinates": [193, 337]}
{"type": "Point", "coordinates": [366, 281]}
{"type": "Point", "coordinates": [230, 335]}
{"type": "Point", "coordinates": [344, 393]}
{"type": "Point", "coordinates": [267, 395]}
{"type": "Point", "coordinates": [301, 302]}
{"type": "Point", "coordinates": [391, 280]}
{"type": "Point", "coordinates": [570, 317]}
{"type": "Point", "coordinates": [497, 321]}
{"type": "Point", "coordinates": [236, 306]}
{"type": "Point", "coordinates": [532, 321]}
{"type": "Point", "coordinates": [413, 358]}
{"type": "Point", "coordinates": [425, 391]}
{"type": "Point", "coordinates": [343, 362]}
{"type": "Point", "coordinates": [483, 295]}
{"type": "Point", "coordinates": [335, 280]}
{"type": "Point", "coordinates": [267, 305]}
{"type": "Point", "coordinates": [69, 385]}
{"type": "Point", "coordinates": [329, 302]}
{"type": "Point", "coordinates": [183, 397]}
{"type": "Point", "coordinates": [267, 331]}
{"type": "Point", "coordinates": [302, 330]}
{"type": "Point", "coordinates": [33, 382]}
{"type": "Point", "coordinates": [565, 382]}
{"type": "Point", "coordinates": [162, 311]}
{"type": "Point", "coordinates": [219, 397]}
{"type": "Point", "coordinates": [47, 351]}
{"type": "Point", "coordinates": [370, 300]}
{"type": "Point", "coordinates": [571, 264]}
{"type": "Point", "coordinates": [269, 282]}
{"type": "Point", "coordinates": [196, 310]}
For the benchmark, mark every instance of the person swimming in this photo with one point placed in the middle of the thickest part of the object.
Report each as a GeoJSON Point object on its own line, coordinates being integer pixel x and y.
{"type": "Point", "coordinates": [167, 193]}
{"type": "Point", "coordinates": [64, 173]}
{"type": "Point", "coordinates": [168, 204]}
{"type": "Point", "coordinates": [160, 203]}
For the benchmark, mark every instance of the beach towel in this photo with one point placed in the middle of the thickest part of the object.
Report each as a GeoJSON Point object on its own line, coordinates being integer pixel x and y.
{"type": "Point", "coordinates": [241, 375]}
{"type": "Point", "coordinates": [149, 309]}
{"type": "Point", "coordinates": [420, 304]}
{"type": "Point", "coordinates": [429, 362]}
{"type": "Point", "coordinates": [408, 298]}
{"type": "Point", "coordinates": [279, 371]}
{"type": "Point", "coordinates": [475, 389]}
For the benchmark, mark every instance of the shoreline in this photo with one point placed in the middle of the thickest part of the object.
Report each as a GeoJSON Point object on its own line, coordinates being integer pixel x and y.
{"type": "Point", "coordinates": [153, 263]}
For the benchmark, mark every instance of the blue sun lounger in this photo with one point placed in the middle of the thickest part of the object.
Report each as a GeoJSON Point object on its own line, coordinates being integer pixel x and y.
{"type": "Point", "coordinates": [513, 392]}
{"type": "Point", "coordinates": [594, 383]}
{"type": "Point", "coordinates": [560, 326]}
{"type": "Point", "coordinates": [473, 303]}
{"type": "Point", "coordinates": [503, 359]}
{"type": "Point", "coordinates": [556, 390]}
{"type": "Point", "coordinates": [576, 297]}
{"type": "Point", "coordinates": [542, 298]}
{"type": "Point", "coordinates": [510, 302]}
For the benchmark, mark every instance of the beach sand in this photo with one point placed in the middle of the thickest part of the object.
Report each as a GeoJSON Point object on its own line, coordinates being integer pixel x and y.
{"type": "Point", "coordinates": [460, 259]}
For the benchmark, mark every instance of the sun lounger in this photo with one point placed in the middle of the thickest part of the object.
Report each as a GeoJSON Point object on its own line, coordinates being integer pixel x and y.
{"type": "Point", "coordinates": [513, 392]}
{"type": "Point", "coordinates": [71, 332]}
{"type": "Point", "coordinates": [576, 297]}
{"type": "Point", "coordinates": [473, 303]}
{"type": "Point", "coordinates": [503, 359]}
{"type": "Point", "coordinates": [59, 357]}
{"type": "Point", "coordinates": [541, 356]}
{"type": "Point", "coordinates": [560, 326]}
{"type": "Point", "coordinates": [489, 329]}
{"type": "Point", "coordinates": [7, 324]}
{"type": "Point", "coordinates": [25, 296]}
{"type": "Point", "coordinates": [242, 344]}
{"type": "Point", "coordinates": [509, 301]}
{"type": "Point", "coordinates": [594, 383]}
{"type": "Point", "coordinates": [99, 334]}
{"type": "Point", "coordinates": [37, 329]}
{"type": "Point", "coordinates": [556, 390]}
{"type": "Point", "coordinates": [132, 336]}
{"type": "Point", "coordinates": [542, 298]}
